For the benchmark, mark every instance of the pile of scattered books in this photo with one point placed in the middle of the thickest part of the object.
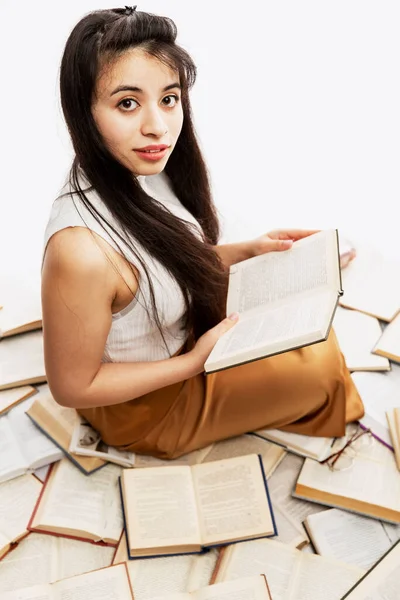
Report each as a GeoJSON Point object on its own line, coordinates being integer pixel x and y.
{"type": "Point", "coordinates": [264, 515]}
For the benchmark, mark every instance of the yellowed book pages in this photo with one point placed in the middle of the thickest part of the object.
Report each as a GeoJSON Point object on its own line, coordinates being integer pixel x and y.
{"type": "Point", "coordinates": [9, 398]}
{"type": "Point", "coordinates": [291, 574]}
{"type": "Point", "coordinates": [88, 508]}
{"type": "Point", "coordinates": [388, 344]}
{"type": "Point", "coordinates": [368, 484]}
{"type": "Point", "coordinates": [224, 501]}
{"type": "Point", "coordinates": [18, 498]}
{"type": "Point", "coordinates": [271, 454]}
{"type": "Point", "coordinates": [58, 422]}
{"type": "Point", "coordinates": [285, 300]}
{"type": "Point", "coordinates": [345, 536]}
{"type": "Point", "coordinates": [22, 360]}
{"type": "Point", "coordinates": [357, 334]}
{"type": "Point", "coordinates": [110, 582]}
{"type": "Point", "coordinates": [181, 573]}
{"type": "Point", "coordinates": [290, 512]}
{"type": "Point", "coordinates": [40, 559]}
{"type": "Point", "coordinates": [371, 285]}
{"type": "Point", "coordinates": [393, 419]}
{"type": "Point", "coordinates": [382, 581]}
{"type": "Point", "coordinates": [245, 588]}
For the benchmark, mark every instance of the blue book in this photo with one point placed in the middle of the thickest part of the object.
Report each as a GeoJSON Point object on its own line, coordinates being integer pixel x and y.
{"type": "Point", "coordinates": [189, 509]}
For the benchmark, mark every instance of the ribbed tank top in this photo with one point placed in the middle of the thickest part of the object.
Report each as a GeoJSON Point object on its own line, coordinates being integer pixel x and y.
{"type": "Point", "coordinates": [133, 335]}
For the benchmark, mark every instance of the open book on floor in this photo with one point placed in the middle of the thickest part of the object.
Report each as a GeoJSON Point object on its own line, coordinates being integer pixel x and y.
{"type": "Point", "coordinates": [393, 419]}
{"type": "Point", "coordinates": [22, 360]}
{"type": "Point", "coordinates": [111, 582]}
{"type": "Point", "coordinates": [245, 588]}
{"type": "Point", "coordinates": [285, 300]}
{"type": "Point", "coordinates": [74, 505]}
{"type": "Point", "coordinates": [357, 334]}
{"type": "Point", "coordinates": [18, 499]}
{"type": "Point", "coordinates": [382, 581]}
{"type": "Point", "coordinates": [307, 446]}
{"type": "Point", "coordinates": [371, 285]}
{"type": "Point", "coordinates": [351, 538]}
{"type": "Point", "coordinates": [57, 423]}
{"type": "Point", "coordinates": [388, 345]}
{"type": "Point", "coordinates": [363, 479]}
{"type": "Point", "coordinates": [12, 397]}
{"type": "Point", "coordinates": [176, 510]}
{"type": "Point", "coordinates": [291, 574]}
{"type": "Point", "coordinates": [178, 573]}
{"type": "Point", "coordinates": [86, 441]}
{"type": "Point", "coordinates": [40, 559]}
{"type": "Point", "coordinates": [23, 447]}
{"type": "Point", "coordinates": [379, 392]}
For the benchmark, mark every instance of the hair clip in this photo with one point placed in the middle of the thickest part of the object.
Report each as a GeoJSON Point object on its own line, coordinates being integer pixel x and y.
{"type": "Point", "coordinates": [129, 10]}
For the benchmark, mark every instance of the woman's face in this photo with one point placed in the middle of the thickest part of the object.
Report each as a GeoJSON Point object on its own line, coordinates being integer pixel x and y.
{"type": "Point", "coordinates": [133, 109]}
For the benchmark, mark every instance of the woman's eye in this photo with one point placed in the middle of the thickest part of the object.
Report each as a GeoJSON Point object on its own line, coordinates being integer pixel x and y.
{"type": "Point", "coordinates": [126, 104]}
{"type": "Point", "coordinates": [176, 98]}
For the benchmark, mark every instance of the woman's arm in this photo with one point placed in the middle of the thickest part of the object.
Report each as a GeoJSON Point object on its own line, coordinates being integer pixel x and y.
{"type": "Point", "coordinates": [78, 288]}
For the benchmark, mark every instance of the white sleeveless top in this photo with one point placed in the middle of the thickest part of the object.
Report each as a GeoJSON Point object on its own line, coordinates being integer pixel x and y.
{"type": "Point", "coordinates": [133, 335]}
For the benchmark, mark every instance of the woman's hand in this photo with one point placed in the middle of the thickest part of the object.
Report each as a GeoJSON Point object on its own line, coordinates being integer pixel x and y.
{"type": "Point", "coordinates": [278, 240]}
{"type": "Point", "coordinates": [207, 341]}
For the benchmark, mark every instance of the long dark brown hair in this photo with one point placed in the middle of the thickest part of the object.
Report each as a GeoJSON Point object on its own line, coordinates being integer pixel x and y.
{"type": "Point", "coordinates": [98, 38]}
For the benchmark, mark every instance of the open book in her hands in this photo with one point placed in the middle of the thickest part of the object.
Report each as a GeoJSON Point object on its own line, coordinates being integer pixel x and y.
{"type": "Point", "coordinates": [181, 509]}
{"type": "Point", "coordinates": [285, 300]}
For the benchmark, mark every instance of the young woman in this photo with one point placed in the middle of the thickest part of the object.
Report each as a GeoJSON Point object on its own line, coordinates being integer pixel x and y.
{"type": "Point", "coordinates": [134, 281]}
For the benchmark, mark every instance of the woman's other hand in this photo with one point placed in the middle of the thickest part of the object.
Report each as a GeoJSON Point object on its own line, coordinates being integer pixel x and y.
{"type": "Point", "coordinates": [207, 341]}
{"type": "Point", "coordinates": [279, 239]}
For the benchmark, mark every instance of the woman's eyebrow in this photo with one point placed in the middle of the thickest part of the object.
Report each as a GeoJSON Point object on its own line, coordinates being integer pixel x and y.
{"type": "Point", "coordinates": [133, 88]}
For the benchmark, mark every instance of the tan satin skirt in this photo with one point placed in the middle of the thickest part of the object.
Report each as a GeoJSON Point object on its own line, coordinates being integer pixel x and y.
{"type": "Point", "coordinates": [307, 391]}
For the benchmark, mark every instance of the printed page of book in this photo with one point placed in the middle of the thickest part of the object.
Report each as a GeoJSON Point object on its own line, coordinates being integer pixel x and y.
{"type": "Point", "coordinates": [319, 578]}
{"type": "Point", "coordinates": [382, 582]}
{"type": "Point", "coordinates": [379, 393]}
{"type": "Point", "coordinates": [389, 342]}
{"type": "Point", "coordinates": [149, 578]}
{"type": "Point", "coordinates": [352, 488]}
{"type": "Point", "coordinates": [35, 446]}
{"type": "Point", "coordinates": [371, 284]}
{"type": "Point", "coordinates": [75, 504]}
{"type": "Point", "coordinates": [317, 448]}
{"type": "Point", "coordinates": [288, 324]}
{"type": "Point", "coordinates": [189, 459]}
{"type": "Point", "coordinates": [86, 441]}
{"type": "Point", "coordinates": [58, 423]}
{"type": "Point", "coordinates": [290, 512]}
{"type": "Point", "coordinates": [13, 462]}
{"type": "Point", "coordinates": [18, 499]}
{"type": "Point", "coordinates": [160, 509]}
{"type": "Point", "coordinates": [291, 574]}
{"type": "Point", "coordinates": [232, 500]}
{"type": "Point", "coordinates": [311, 264]}
{"type": "Point", "coordinates": [32, 562]}
{"type": "Point", "coordinates": [246, 588]}
{"type": "Point", "coordinates": [394, 431]}
{"type": "Point", "coordinates": [42, 559]}
{"type": "Point", "coordinates": [8, 398]}
{"type": "Point", "coordinates": [37, 592]}
{"type": "Point", "coordinates": [22, 360]}
{"type": "Point", "coordinates": [357, 334]}
{"type": "Point", "coordinates": [271, 454]}
{"type": "Point", "coordinates": [350, 538]}
{"type": "Point", "coordinates": [108, 583]}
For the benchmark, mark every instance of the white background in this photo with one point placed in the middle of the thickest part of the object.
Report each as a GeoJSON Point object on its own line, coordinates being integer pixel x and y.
{"type": "Point", "coordinates": [296, 105]}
